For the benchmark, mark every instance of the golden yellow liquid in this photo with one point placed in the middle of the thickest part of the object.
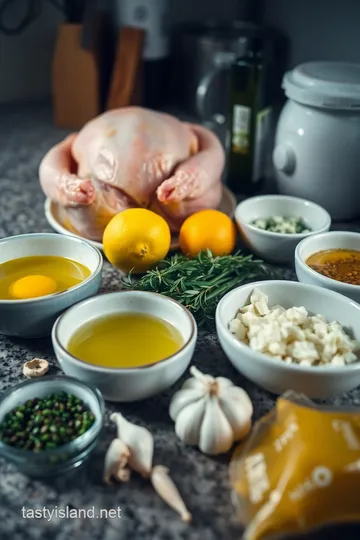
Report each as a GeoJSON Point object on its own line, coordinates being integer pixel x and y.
{"type": "Point", "coordinates": [339, 264]}
{"type": "Point", "coordinates": [66, 273]}
{"type": "Point", "coordinates": [125, 340]}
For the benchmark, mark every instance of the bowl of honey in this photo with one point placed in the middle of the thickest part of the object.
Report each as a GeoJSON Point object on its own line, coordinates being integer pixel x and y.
{"type": "Point", "coordinates": [129, 344]}
{"type": "Point", "coordinates": [331, 260]}
{"type": "Point", "coordinates": [41, 275]}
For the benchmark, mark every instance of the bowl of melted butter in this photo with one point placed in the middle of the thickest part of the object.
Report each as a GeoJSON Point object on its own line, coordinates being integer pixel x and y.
{"type": "Point", "coordinates": [129, 344]}
{"type": "Point", "coordinates": [41, 275]}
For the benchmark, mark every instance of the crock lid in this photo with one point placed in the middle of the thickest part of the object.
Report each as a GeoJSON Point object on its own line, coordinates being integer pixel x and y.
{"type": "Point", "coordinates": [333, 85]}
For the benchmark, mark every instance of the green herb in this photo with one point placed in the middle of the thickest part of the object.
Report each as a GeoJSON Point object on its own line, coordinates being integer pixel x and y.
{"type": "Point", "coordinates": [46, 423]}
{"type": "Point", "coordinates": [201, 282]}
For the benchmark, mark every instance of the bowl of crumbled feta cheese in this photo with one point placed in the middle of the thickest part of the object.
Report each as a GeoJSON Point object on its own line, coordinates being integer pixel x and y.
{"type": "Point", "coordinates": [272, 225]}
{"type": "Point", "coordinates": [285, 335]}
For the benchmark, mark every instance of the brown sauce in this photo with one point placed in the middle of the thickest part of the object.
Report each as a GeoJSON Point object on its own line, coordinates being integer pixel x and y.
{"type": "Point", "coordinates": [339, 264]}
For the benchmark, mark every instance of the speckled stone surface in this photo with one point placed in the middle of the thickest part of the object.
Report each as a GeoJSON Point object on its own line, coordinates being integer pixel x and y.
{"type": "Point", "coordinates": [25, 135]}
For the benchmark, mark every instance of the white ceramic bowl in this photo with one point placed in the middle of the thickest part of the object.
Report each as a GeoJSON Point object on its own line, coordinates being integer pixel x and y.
{"type": "Point", "coordinates": [35, 317]}
{"type": "Point", "coordinates": [323, 242]}
{"type": "Point", "coordinates": [274, 375]}
{"type": "Point", "coordinates": [277, 247]}
{"type": "Point", "coordinates": [126, 384]}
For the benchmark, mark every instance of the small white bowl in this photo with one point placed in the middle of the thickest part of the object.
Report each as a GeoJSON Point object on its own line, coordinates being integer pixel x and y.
{"type": "Point", "coordinates": [278, 247]}
{"type": "Point", "coordinates": [126, 384]}
{"type": "Point", "coordinates": [323, 242]}
{"type": "Point", "coordinates": [35, 317]}
{"type": "Point", "coordinates": [274, 375]}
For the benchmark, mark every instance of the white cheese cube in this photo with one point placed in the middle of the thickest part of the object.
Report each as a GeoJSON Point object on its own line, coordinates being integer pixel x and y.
{"type": "Point", "coordinates": [258, 296]}
{"type": "Point", "coordinates": [261, 308]}
{"type": "Point", "coordinates": [297, 315]}
{"type": "Point", "coordinates": [292, 335]}
{"type": "Point", "coordinates": [302, 350]}
{"type": "Point", "coordinates": [234, 325]}
{"type": "Point", "coordinates": [277, 348]}
{"type": "Point", "coordinates": [305, 362]}
{"type": "Point", "coordinates": [338, 360]}
{"type": "Point", "coordinates": [249, 318]}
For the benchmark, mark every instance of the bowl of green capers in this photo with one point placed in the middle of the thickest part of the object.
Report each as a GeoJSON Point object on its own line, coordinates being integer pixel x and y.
{"type": "Point", "coordinates": [51, 425]}
{"type": "Point", "coordinates": [272, 225]}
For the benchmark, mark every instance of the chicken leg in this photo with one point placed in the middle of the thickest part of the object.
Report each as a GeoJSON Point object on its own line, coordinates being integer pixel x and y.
{"type": "Point", "coordinates": [195, 184]}
{"type": "Point", "coordinates": [85, 204]}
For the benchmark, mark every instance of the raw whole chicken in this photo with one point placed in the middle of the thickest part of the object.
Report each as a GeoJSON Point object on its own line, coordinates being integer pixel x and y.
{"type": "Point", "coordinates": [133, 157]}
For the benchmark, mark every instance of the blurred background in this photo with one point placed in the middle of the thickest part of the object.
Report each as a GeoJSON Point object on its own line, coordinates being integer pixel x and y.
{"type": "Point", "coordinates": [197, 59]}
{"type": "Point", "coordinates": [325, 29]}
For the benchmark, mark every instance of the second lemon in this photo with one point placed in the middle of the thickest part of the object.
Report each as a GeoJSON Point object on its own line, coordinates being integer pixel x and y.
{"type": "Point", "coordinates": [207, 229]}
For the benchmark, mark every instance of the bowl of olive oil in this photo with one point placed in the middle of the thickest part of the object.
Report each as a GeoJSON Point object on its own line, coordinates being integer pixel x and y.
{"type": "Point", "coordinates": [41, 275]}
{"type": "Point", "coordinates": [130, 344]}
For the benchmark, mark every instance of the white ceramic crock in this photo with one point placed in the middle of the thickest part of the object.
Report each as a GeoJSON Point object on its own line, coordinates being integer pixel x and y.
{"type": "Point", "coordinates": [317, 142]}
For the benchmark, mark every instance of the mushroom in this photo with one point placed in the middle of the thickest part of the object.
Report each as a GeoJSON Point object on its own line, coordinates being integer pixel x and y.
{"type": "Point", "coordinates": [37, 367]}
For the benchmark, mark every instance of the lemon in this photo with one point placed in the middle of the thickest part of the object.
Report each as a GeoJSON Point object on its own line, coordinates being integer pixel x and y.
{"type": "Point", "coordinates": [136, 239]}
{"type": "Point", "coordinates": [32, 287]}
{"type": "Point", "coordinates": [207, 229]}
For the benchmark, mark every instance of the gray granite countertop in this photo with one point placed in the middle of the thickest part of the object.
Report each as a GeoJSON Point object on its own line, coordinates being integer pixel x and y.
{"type": "Point", "coordinates": [25, 135]}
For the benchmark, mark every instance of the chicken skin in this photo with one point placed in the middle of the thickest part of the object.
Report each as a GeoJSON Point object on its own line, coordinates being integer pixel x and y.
{"type": "Point", "coordinates": [133, 157]}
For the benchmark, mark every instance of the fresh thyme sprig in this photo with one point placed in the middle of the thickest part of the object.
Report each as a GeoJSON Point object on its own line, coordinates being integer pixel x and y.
{"type": "Point", "coordinates": [201, 282]}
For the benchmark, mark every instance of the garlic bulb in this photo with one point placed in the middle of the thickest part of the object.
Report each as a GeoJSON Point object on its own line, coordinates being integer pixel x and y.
{"type": "Point", "coordinates": [211, 413]}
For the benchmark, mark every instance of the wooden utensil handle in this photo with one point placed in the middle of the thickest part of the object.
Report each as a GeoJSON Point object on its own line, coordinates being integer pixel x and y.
{"type": "Point", "coordinates": [126, 68]}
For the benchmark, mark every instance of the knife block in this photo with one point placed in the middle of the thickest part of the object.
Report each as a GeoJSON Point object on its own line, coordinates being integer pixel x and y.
{"type": "Point", "coordinates": [75, 79]}
{"type": "Point", "coordinates": [126, 81]}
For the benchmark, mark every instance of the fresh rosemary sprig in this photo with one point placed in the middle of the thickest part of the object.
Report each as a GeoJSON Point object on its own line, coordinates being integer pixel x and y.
{"type": "Point", "coordinates": [201, 282]}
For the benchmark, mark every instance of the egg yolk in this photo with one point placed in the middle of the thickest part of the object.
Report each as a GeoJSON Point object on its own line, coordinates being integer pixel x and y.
{"type": "Point", "coordinates": [32, 287]}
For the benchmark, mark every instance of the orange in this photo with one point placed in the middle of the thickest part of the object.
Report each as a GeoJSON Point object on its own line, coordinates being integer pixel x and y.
{"type": "Point", "coordinates": [136, 239]}
{"type": "Point", "coordinates": [207, 229]}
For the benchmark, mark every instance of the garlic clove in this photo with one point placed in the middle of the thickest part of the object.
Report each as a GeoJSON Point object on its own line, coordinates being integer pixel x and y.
{"type": "Point", "coordinates": [188, 422]}
{"type": "Point", "coordinates": [237, 416]}
{"type": "Point", "coordinates": [216, 435]}
{"type": "Point", "coordinates": [200, 376]}
{"type": "Point", "coordinates": [183, 398]}
{"type": "Point", "coordinates": [193, 384]}
{"type": "Point", "coordinates": [241, 397]}
{"type": "Point", "coordinates": [139, 441]}
{"type": "Point", "coordinates": [123, 474]}
{"type": "Point", "coordinates": [168, 491]}
{"type": "Point", "coordinates": [198, 380]}
{"type": "Point", "coordinates": [116, 458]}
{"type": "Point", "coordinates": [223, 383]}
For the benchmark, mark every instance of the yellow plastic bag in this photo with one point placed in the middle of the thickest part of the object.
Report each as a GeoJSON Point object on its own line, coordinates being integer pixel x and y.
{"type": "Point", "coordinates": [298, 470]}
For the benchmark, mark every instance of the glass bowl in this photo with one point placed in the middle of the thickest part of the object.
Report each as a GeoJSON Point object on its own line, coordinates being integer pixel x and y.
{"type": "Point", "coordinates": [67, 456]}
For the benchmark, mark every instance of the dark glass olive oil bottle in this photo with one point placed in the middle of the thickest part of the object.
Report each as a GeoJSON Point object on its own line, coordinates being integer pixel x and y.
{"type": "Point", "coordinates": [250, 123]}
